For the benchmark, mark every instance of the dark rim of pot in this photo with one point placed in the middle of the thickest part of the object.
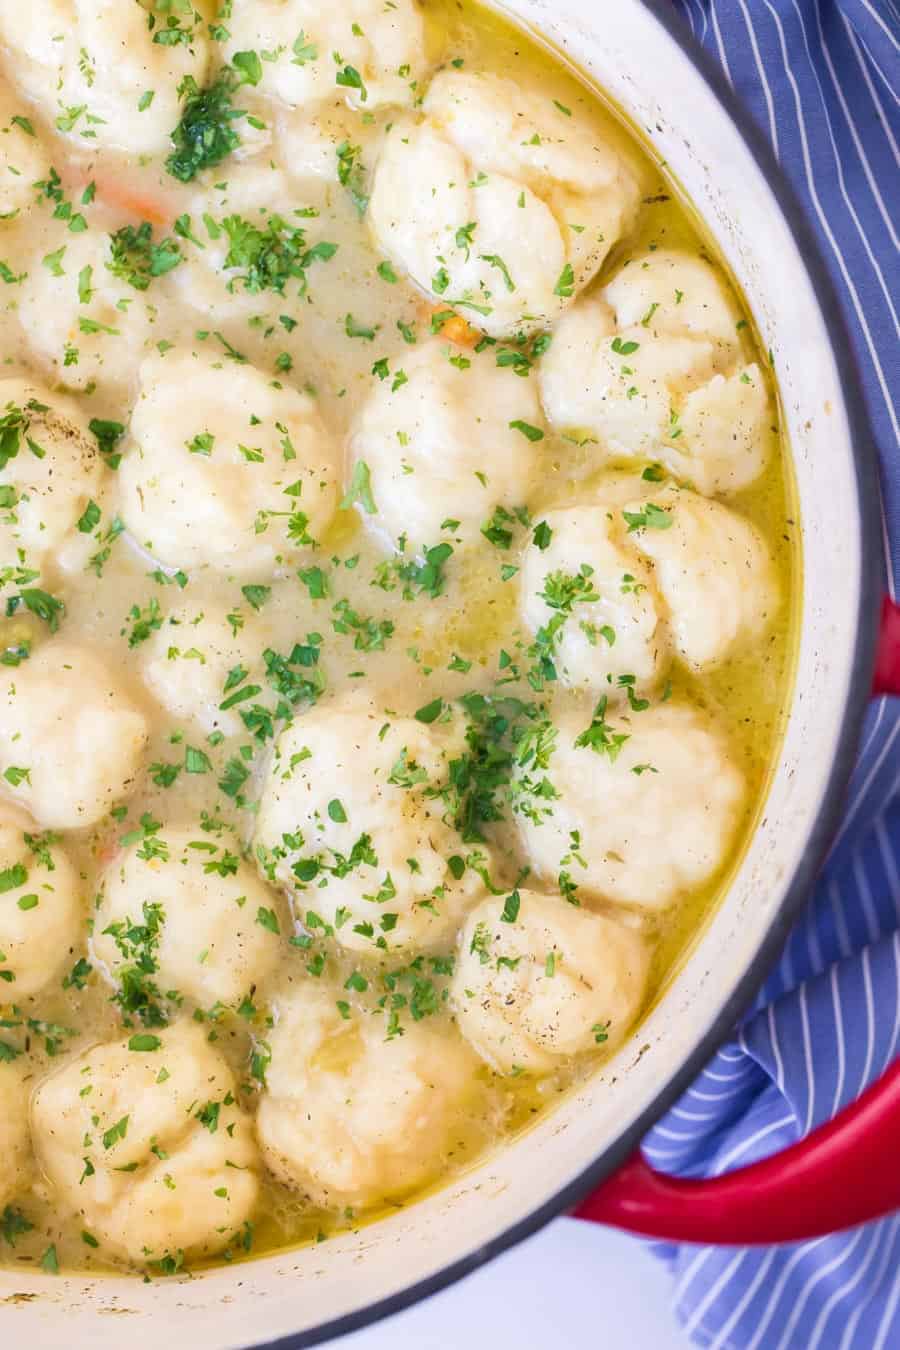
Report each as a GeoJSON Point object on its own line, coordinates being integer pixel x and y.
{"type": "Point", "coordinates": [828, 818]}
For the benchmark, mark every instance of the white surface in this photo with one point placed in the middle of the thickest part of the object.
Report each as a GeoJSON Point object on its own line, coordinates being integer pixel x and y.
{"type": "Point", "coordinates": [573, 1285]}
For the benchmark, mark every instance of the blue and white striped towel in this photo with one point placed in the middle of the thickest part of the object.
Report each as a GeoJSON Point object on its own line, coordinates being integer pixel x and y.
{"type": "Point", "coordinates": [820, 77]}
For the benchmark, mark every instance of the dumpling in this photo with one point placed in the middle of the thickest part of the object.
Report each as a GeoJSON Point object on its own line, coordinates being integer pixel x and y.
{"type": "Point", "coordinates": [347, 824]}
{"type": "Point", "coordinates": [440, 445]}
{"type": "Point", "coordinates": [186, 664]}
{"type": "Point", "coordinates": [598, 386]}
{"type": "Point", "coordinates": [652, 367]}
{"type": "Point", "coordinates": [308, 146]}
{"type": "Point", "coordinates": [594, 601]}
{"type": "Point", "coordinates": [497, 203]}
{"type": "Point", "coordinates": [372, 52]}
{"type": "Point", "coordinates": [215, 924]}
{"type": "Point", "coordinates": [14, 1136]}
{"type": "Point", "coordinates": [255, 191]}
{"type": "Point", "coordinates": [714, 571]}
{"type": "Point", "coordinates": [85, 325]}
{"type": "Point", "coordinates": [615, 587]}
{"type": "Point", "coordinates": [647, 805]}
{"type": "Point", "coordinates": [22, 157]}
{"type": "Point", "coordinates": [686, 295]}
{"type": "Point", "coordinates": [350, 1117]}
{"type": "Point", "coordinates": [51, 471]}
{"type": "Point", "coordinates": [228, 471]}
{"type": "Point", "coordinates": [41, 907]}
{"type": "Point", "coordinates": [143, 1138]}
{"type": "Point", "coordinates": [68, 722]}
{"type": "Point", "coordinates": [538, 980]}
{"type": "Point", "coordinates": [87, 63]}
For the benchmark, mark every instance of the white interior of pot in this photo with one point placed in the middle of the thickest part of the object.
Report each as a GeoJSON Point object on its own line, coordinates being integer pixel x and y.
{"type": "Point", "coordinates": [628, 53]}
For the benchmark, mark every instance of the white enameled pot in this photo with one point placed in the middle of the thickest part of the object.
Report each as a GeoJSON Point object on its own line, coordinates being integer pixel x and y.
{"type": "Point", "coordinates": [634, 50]}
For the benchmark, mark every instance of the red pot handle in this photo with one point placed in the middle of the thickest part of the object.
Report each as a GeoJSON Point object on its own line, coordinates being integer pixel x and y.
{"type": "Point", "coordinates": [844, 1173]}
{"type": "Point", "coordinates": [887, 660]}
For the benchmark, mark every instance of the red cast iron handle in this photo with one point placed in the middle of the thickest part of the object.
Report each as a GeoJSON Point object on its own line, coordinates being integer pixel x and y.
{"type": "Point", "coordinates": [887, 660]}
{"type": "Point", "coordinates": [844, 1173]}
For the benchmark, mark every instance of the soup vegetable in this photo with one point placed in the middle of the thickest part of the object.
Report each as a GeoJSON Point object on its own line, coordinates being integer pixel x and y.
{"type": "Point", "coordinates": [396, 607]}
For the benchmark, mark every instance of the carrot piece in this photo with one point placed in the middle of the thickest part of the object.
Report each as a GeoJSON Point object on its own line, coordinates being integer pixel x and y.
{"type": "Point", "coordinates": [455, 329]}
{"type": "Point", "coordinates": [461, 332]}
{"type": "Point", "coordinates": [133, 200]}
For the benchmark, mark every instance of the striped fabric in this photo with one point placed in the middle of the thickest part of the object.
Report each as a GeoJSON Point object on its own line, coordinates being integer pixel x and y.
{"type": "Point", "coordinates": [820, 77]}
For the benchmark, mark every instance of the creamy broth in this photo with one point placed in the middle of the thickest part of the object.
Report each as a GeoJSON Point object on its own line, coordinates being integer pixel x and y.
{"type": "Point", "coordinates": [349, 622]}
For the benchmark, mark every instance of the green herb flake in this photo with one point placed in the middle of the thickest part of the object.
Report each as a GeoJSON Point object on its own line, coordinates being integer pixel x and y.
{"type": "Point", "coordinates": [360, 489]}
{"type": "Point", "coordinates": [137, 260]}
{"type": "Point", "coordinates": [511, 907]}
{"type": "Point", "coordinates": [565, 286]}
{"type": "Point", "coordinates": [650, 517]}
{"type": "Point", "coordinates": [196, 761]}
{"type": "Point", "coordinates": [206, 133]}
{"type": "Point", "coordinates": [144, 1042]}
{"type": "Point", "coordinates": [527, 430]}
{"type": "Point", "coordinates": [249, 67]}
{"type": "Point", "coordinates": [90, 518]}
{"type": "Point", "coordinates": [256, 595]}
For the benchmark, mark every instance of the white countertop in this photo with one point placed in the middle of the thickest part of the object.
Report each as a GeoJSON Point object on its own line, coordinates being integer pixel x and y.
{"type": "Point", "coordinates": [573, 1286]}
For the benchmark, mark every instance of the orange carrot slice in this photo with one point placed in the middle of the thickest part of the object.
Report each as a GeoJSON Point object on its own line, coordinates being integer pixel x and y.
{"type": "Point", "coordinates": [133, 200]}
{"type": "Point", "coordinates": [455, 329]}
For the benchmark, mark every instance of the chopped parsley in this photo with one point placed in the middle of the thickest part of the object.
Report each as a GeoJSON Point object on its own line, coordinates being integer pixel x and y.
{"type": "Point", "coordinates": [565, 286]}
{"type": "Point", "coordinates": [650, 517]}
{"type": "Point", "coordinates": [351, 175]}
{"type": "Point", "coordinates": [138, 995]}
{"type": "Point", "coordinates": [600, 736]}
{"type": "Point", "coordinates": [13, 1225]}
{"type": "Point", "coordinates": [144, 621]}
{"type": "Point", "coordinates": [527, 430]}
{"type": "Point", "coordinates": [207, 132]}
{"type": "Point", "coordinates": [44, 606]}
{"type": "Point", "coordinates": [137, 259]}
{"type": "Point", "coordinates": [108, 435]}
{"type": "Point", "coordinates": [360, 489]}
{"type": "Point", "coordinates": [267, 258]}
{"type": "Point", "coordinates": [417, 578]}
{"type": "Point", "coordinates": [350, 78]}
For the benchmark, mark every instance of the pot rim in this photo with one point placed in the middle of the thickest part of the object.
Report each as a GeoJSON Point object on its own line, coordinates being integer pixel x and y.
{"type": "Point", "coordinates": [865, 458]}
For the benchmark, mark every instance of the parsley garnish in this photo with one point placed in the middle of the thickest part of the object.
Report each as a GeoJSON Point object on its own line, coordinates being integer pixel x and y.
{"type": "Point", "coordinates": [108, 435]}
{"type": "Point", "coordinates": [13, 1225]}
{"type": "Point", "coordinates": [651, 517]}
{"type": "Point", "coordinates": [600, 736]}
{"type": "Point", "coordinates": [350, 78]}
{"type": "Point", "coordinates": [137, 260]}
{"type": "Point", "coordinates": [206, 133]}
{"type": "Point", "coordinates": [273, 255]}
{"type": "Point", "coordinates": [40, 603]}
{"type": "Point", "coordinates": [565, 286]}
{"type": "Point", "coordinates": [137, 944]}
{"type": "Point", "coordinates": [360, 489]}
{"type": "Point", "coordinates": [528, 431]}
{"type": "Point", "coordinates": [144, 622]}
{"type": "Point", "coordinates": [351, 175]}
